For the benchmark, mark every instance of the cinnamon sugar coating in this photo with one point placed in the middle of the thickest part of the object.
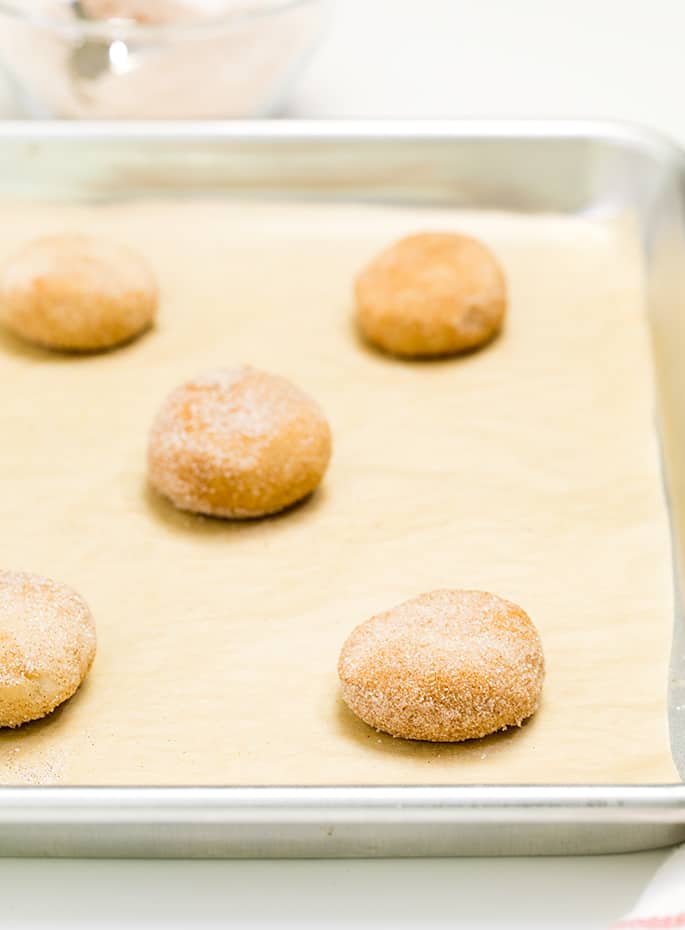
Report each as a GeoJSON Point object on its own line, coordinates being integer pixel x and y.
{"type": "Point", "coordinates": [445, 666]}
{"type": "Point", "coordinates": [47, 645]}
{"type": "Point", "coordinates": [431, 294]}
{"type": "Point", "coordinates": [77, 293]}
{"type": "Point", "coordinates": [238, 443]}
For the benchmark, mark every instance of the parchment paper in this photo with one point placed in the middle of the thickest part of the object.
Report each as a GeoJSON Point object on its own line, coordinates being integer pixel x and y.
{"type": "Point", "coordinates": [528, 469]}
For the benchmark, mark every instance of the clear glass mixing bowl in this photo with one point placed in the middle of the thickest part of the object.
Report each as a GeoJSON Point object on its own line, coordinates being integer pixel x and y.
{"type": "Point", "coordinates": [196, 59]}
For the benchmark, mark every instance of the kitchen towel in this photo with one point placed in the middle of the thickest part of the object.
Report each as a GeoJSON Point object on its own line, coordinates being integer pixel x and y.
{"type": "Point", "coordinates": [662, 905]}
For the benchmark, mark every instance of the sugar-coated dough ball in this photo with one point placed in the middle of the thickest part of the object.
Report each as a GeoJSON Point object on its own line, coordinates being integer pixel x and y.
{"type": "Point", "coordinates": [77, 293]}
{"type": "Point", "coordinates": [238, 443]}
{"type": "Point", "coordinates": [47, 645]}
{"type": "Point", "coordinates": [431, 294]}
{"type": "Point", "coordinates": [445, 666]}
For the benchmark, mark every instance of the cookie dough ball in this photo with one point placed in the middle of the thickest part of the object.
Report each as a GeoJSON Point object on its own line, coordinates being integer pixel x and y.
{"type": "Point", "coordinates": [238, 443]}
{"type": "Point", "coordinates": [445, 666]}
{"type": "Point", "coordinates": [77, 293]}
{"type": "Point", "coordinates": [431, 294]}
{"type": "Point", "coordinates": [47, 645]}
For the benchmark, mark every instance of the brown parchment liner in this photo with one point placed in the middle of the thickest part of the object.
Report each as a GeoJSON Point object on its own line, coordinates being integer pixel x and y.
{"type": "Point", "coordinates": [529, 469]}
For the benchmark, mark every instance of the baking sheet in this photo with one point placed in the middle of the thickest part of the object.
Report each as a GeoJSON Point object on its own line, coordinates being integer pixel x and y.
{"type": "Point", "coordinates": [529, 469]}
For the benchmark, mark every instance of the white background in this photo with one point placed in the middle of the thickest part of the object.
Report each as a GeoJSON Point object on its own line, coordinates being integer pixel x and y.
{"type": "Point", "coordinates": [605, 58]}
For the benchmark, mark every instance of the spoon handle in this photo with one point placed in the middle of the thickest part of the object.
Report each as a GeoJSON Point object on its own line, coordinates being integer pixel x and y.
{"type": "Point", "coordinates": [78, 9]}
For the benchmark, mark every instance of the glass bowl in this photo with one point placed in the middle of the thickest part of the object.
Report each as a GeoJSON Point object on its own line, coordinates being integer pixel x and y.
{"type": "Point", "coordinates": [142, 59]}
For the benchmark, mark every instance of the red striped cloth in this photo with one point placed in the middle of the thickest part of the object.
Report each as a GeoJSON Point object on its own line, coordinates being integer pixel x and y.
{"type": "Point", "coordinates": [662, 905]}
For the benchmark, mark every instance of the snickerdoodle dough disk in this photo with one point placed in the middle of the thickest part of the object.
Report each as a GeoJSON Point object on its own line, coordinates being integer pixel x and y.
{"type": "Point", "coordinates": [445, 666]}
{"type": "Point", "coordinates": [77, 293]}
{"type": "Point", "coordinates": [431, 294]}
{"type": "Point", "coordinates": [47, 645]}
{"type": "Point", "coordinates": [238, 443]}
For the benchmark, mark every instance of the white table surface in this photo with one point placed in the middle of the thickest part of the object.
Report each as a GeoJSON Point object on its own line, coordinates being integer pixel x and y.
{"type": "Point", "coordinates": [621, 59]}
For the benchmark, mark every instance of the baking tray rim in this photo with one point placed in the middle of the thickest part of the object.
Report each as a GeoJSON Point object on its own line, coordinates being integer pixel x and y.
{"type": "Point", "coordinates": [651, 141]}
{"type": "Point", "coordinates": [606, 804]}
{"type": "Point", "coordinates": [487, 804]}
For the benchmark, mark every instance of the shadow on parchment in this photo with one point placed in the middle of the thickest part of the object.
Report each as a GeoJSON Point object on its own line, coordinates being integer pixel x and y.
{"type": "Point", "coordinates": [33, 352]}
{"type": "Point", "coordinates": [355, 730]}
{"type": "Point", "coordinates": [31, 754]}
{"type": "Point", "coordinates": [181, 521]}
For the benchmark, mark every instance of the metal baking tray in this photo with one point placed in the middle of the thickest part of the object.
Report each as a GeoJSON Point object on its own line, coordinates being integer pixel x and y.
{"type": "Point", "coordinates": [540, 166]}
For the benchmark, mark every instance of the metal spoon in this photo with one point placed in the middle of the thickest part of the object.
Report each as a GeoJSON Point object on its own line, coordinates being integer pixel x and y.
{"type": "Point", "coordinates": [92, 57]}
